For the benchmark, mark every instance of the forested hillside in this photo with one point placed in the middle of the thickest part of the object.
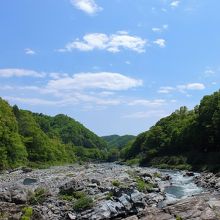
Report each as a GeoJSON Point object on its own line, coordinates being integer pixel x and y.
{"type": "Point", "coordinates": [118, 141]}
{"type": "Point", "coordinates": [28, 138]}
{"type": "Point", "coordinates": [185, 139]}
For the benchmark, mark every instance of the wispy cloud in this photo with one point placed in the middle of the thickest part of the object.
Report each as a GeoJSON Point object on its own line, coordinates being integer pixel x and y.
{"type": "Point", "coordinates": [99, 88]}
{"type": "Point", "coordinates": [191, 86]}
{"type": "Point", "coordinates": [29, 51]}
{"type": "Point", "coordinates": [160, 29]}
{"type": "Point", "coordinates": [88, 6]}
{"type": "Point", "coordinates": [101, 80]}
{"type": "Point", "coordinates": [148, 103]}
{"type": "Point", "coordinates": [181, 88]}
{"type": "Point", "coordinates": [34, 101]}
{"type": "Point", "coordinates": [160, 42]}
{"type": "Point", "coordinates": [209, 72]}
{"type": "Point", "coordinates": [20, 73]}
{"type": "Point", "coordinates": [166, 89]}
{"type": "Point", "coordinates": [112, 43]}
{"type": "Point", "coordinates": [174, 4]}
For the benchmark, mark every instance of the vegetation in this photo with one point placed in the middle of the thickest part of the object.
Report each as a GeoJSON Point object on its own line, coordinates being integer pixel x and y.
{"type": "Point", "coordinates": [116, 183]}
{"type": "Point", "coordinates": [109, 196]}
{"type": "Point", "coordinates": [39, 196]}
{"type": "Point", "coordinates": [116, 141]}
{"type": "Point", "coordinates": [12, 149]}
{"type": "Point", "coordinates": [115, 144]}
{"type": "Point", "coordinates": [83, 202]}
{"type": "Point", "coordinates": [142, 186]}
{"type": "Point", "coordinates": [30, 139]}
{"type": "Point", "coordinates": [184, 140]}
{"type": "Point", "coordinates": [27, 213]}
{"type": "Point", "coordinates": [187, 139]}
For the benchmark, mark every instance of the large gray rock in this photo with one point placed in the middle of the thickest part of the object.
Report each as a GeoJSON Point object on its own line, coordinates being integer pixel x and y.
{"type": "Point", "coordinates": [10, 211]}
{"type": "Point", "coordinates": [138, 198]}
{"type": "Point", "coordinates": [17, 194]}
{"type": "Point", "coordinates": [71, 187]}
{"type": "Point", "coordinates": [152, 213]}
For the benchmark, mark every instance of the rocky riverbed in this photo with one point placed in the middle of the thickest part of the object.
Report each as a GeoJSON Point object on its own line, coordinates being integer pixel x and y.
{"type": "Point", "coordinates": [107, 191]}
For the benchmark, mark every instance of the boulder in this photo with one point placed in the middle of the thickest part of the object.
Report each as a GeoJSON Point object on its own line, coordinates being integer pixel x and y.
{"type": "Point", "coordinates": [71, 186]}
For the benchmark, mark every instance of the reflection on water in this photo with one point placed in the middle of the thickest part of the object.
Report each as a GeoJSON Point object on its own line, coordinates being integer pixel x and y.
{"type": "Point", "coordinates": [29, 181]}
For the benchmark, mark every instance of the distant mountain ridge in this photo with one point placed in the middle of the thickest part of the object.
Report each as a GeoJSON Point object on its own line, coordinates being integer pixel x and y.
{"type": "Point", "coordinates": [117, 140]}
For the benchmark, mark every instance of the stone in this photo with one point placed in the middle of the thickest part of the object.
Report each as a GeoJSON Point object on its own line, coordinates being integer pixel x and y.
{"type": "Point", "coordinates": [96, 182]}
{"type": "Point", "coordinates": [189, 174]}
{"type": "Point", "coordinates": [138, 198]}
{"type": "Point", "coordinates": [26, 169]}
{"type": "Point", "coordinates": [133, 217]}
{"type": "Point", "coordinates": [20, 194]}
{"type": "Point", "coordinates": [71, 216]}
{"type": "Point", "coordinates": [71, 187]}
{"type": "Point", "coordinates": [125, 200]}
{"type": "Point", "coordinates": [153, 213]}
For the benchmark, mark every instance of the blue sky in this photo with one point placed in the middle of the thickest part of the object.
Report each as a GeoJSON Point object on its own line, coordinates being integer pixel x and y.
{"type": "Point", "coordinates": [117, 66]}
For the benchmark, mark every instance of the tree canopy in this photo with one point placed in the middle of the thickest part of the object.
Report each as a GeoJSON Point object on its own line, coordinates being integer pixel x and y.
{"type": "Point", "coordinates": [186, 138]}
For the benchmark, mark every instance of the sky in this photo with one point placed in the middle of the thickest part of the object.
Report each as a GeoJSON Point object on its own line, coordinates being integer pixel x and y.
{"type": "Point", "coordinates": [116, 66]}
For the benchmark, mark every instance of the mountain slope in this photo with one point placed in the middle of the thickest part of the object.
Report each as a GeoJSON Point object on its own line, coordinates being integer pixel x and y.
{"type": "Point", "coordinates": [118, 141]}
{"type": "Point", "coordinates": [28, 138]}
{"type": "Point", "coordinates": [185, 139]}
{"type": "Point", "coordinates": [68, 131]}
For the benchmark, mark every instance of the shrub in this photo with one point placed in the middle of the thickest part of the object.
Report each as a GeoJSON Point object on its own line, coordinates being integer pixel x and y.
{"type": "Point", "coordinates": [27, 213]}
{"type": "Point", "coordinates": [157, 175]}
{"type": "Point", "coordinates": [116, 183]}
{"type": "Point", "coordinates": [109, 196]}
{"type": "Point", "coordinates": [39, 196]}
{"type": "Point", "coordinates": [142, 186]}
{"type": "Point", "coordinates": [83, 203]}
{"type": "Point", "coordinates": [135, 161]}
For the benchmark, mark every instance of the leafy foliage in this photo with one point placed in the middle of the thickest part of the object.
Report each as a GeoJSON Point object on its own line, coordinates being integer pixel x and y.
{"type": "Point", "coordinates": [27, 213]}
{"type": "Point", "coordinates": [185, 139]}
{"type": "Point", "coordinates": [12, 149]}
{"type": "Point", "coordinates": [39, 196]}
{"type": "Point", "coordinates": [116, 141]}
{"type": "Point", "coordinates": [28, 138]}
{"type": "Point", "coordinates": [83, 202]}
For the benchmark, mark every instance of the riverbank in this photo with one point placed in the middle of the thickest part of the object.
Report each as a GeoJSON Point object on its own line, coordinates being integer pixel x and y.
{"type": "Point", "coordinates": [103, 191]}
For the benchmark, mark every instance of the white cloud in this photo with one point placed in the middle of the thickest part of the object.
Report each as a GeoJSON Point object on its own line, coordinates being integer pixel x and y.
{"type": "Point", "coordinates": [160, 42]}
{"type": "Point", "coordinates": [166, 89]}
{"type": "Point", "coordinates": [58, 75]}
{"type": "Point", "coordinates": [160, 29]}
{"type": "Point", "coordinates": [112, 43]}
{"type": "Point", "coordinates": [149, 103]}
{"type": "Point", "coordinates": [209, 72]}
{"type": "Point", "coordinates": [29, 51]}
{"type": "Point", "coordinates": [88, 6]}
{"type": "Point", "coordinates": [191, 86]}
{"type": "Point", "coordinates": [174, 4]}
{"type": "Point", "coordinates": [101, 80]}
{"type": "Point", "coordinates": [20, 73]}
{"type": "Point", "coordinates": [181, 88]}
{"type": "Point", "coordinates": [33, 101]}
{"type": "Point", "coordinates": [127, 62]}
{"type": "Point", "coordinates": [98, 89]}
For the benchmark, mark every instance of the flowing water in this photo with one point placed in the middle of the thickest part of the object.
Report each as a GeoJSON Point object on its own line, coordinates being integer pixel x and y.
{"type": "Point", "coordinates": [180, 187]}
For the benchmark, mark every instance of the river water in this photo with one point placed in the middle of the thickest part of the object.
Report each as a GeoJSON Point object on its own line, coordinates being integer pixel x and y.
{"type": "Point", "coordinates": [180, 187]}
